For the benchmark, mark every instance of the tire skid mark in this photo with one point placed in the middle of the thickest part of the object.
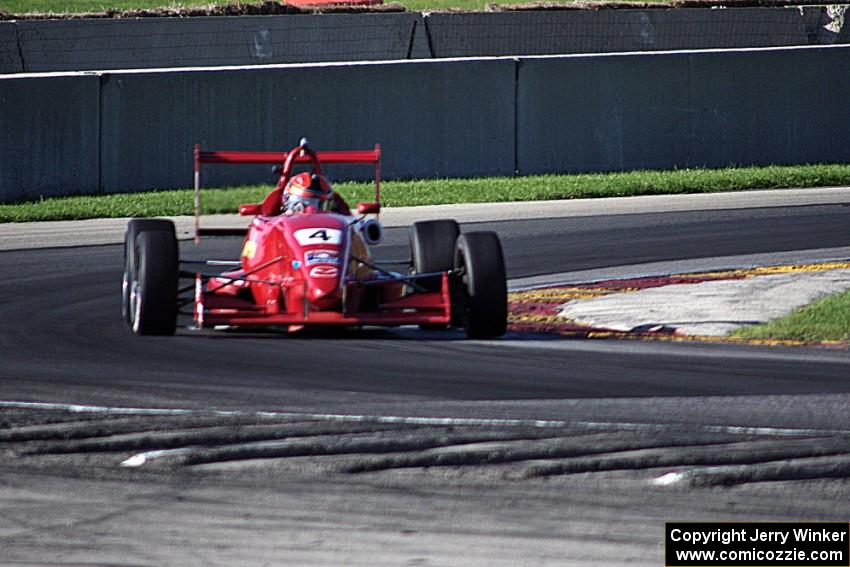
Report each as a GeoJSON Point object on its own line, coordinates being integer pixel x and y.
{"type": "Point", "coordinates": [779, 470]}
{"type": "Point", "coordinates": [217, 435]}
{"type": "Point", "coordinates": [501, 453]}
{"type": "Point", "coordinates": [395, 441]}
{"type": "Point", "coordinates": [752, 452]}
{"type": "Point", "coordinates": [670, 454]}
{"type": "Point", "coordinates": [94, 427]}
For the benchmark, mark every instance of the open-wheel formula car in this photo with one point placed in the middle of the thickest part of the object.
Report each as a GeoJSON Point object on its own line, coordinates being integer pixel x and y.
{"type": "Point", "coordinates": [306, 261]}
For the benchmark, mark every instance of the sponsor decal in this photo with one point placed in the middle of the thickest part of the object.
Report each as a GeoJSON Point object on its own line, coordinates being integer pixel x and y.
{"type": "Point", "coordinates": [324, 272]}
{"type": "Point", "coordinates": [306, 236]}
{"type": "Point", "coordinates": [250, 249]}
{"type": "Point", "coordinates": [321, 257]}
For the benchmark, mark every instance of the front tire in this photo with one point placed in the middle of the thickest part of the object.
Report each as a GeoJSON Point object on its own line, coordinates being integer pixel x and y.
{"type": "Point", "coordinates": [134, 228]}
{"type": "Point", "coordinates": [432, 247]}
{"type": "Point", "coordinates": [482, 297]}
{"type": "Point", "coordinates": [153, 284]}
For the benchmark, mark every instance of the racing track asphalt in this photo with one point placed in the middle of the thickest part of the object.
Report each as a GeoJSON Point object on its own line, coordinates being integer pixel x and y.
{"type": "Point", "coordinates": [62, 340]}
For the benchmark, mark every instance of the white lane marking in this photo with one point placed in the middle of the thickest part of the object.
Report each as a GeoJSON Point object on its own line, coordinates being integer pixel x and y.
{"type": "Point", "coordinates": [75, 408]}
{"type": "Point", "coordinates": [411, 420]}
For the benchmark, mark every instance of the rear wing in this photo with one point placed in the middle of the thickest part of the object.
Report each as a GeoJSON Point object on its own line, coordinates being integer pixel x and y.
{"type": "Point", "coordinates": [278, 158]}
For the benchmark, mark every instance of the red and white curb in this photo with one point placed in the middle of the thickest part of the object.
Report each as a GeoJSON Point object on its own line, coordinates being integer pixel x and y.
{"type": "Point", "coordinates": [702, 306]}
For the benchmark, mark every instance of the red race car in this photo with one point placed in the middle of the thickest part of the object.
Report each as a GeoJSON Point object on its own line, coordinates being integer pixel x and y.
{"type": "Point", "coordinates": [306, 261]}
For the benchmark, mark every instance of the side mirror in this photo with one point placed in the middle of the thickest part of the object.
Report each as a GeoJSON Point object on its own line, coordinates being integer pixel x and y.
{"type": "Point", "coordinates": [250, 210]}
{"type": "Point", "coordinates": [368, 208]}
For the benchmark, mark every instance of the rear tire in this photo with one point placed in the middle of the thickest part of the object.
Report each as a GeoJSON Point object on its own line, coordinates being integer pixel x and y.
{"type": "Point", "coordinates": [482, 294]}
{"type": "Point", "coordinates": [134, 228]}
{"type": "Point", "coordinates": [432, 247]}
{"type": "Point", "coordinates": [153, 283]}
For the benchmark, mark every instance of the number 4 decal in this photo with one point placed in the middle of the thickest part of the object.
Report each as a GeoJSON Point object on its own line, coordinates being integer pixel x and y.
{"type": "Point", "coordinates": [307, 236]}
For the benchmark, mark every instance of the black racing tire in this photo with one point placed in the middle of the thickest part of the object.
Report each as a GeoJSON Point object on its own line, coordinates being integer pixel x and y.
{"type": "Point", "coordinates": [134, 227]}
{"type": "Point", "coordinates": [432, 245]}
{"type": "Point", "coordinates": [153, 283]}
{"type": "Point", "coordinates": [432, 248]}
{"type": "Point", "coordinates": [482, 297]}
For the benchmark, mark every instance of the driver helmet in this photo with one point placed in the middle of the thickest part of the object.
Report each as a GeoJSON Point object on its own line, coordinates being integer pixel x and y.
{"type": "Point", "coordinates": [307, 192]}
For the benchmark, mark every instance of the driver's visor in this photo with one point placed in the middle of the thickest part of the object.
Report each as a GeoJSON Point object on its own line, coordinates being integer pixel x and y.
{"type": "Point", "coordinates": [303, 204]}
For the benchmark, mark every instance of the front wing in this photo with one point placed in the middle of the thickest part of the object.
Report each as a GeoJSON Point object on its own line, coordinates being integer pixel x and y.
{"type": "Point", "coordinates": [419, 308]}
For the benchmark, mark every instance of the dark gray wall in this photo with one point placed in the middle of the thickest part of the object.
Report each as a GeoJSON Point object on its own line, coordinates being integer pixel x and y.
{"type": "Point", "coordinates": [433, 119]}
{"type": "Point", "coordinates": [49, 135]}
{"type": "Point", "coordinates": [606, 31]}
{"type": "Point", "coordinates": [134, 130]}
{"type": "Point", "coordinates": [76, 45]}
{"type": "Point", "coordinates": [10, 59]}
{"type": "Point", "coordinates": [688, 109]}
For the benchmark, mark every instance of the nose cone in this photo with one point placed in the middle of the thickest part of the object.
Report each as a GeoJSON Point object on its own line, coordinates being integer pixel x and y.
{"type": "Point", "coordinates": [323, 287]}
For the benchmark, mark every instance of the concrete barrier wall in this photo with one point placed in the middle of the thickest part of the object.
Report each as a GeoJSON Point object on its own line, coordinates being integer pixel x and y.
{"type": "Point", "coordinates": [10, 59]}
{"type": "Point", "coordinates": [659, 111]}
{"type": "Point", "coordinates": [582, 114]}
{"type": "Point", "coordinates": [134, 130]}
{"type": "Point", "coordinates": [77, 45]}
{"type": "Point", "coordinates": [583, 31]}
{"type": "Point", "coordinates": [433, 119]}
{"type": "Point", "coordinates": [48, 137]}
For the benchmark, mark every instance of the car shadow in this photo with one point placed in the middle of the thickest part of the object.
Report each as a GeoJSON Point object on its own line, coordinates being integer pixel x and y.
{"type": "Point", "coordinates": [323, 333]}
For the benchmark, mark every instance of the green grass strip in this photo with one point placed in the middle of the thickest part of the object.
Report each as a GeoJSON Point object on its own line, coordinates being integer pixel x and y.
{"type": "Point", "coordinates": [443, 191]}
{"type": "Point", "coordinates": [824, 320]}
{"type": "Point", "coordinates": [77, 6]}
